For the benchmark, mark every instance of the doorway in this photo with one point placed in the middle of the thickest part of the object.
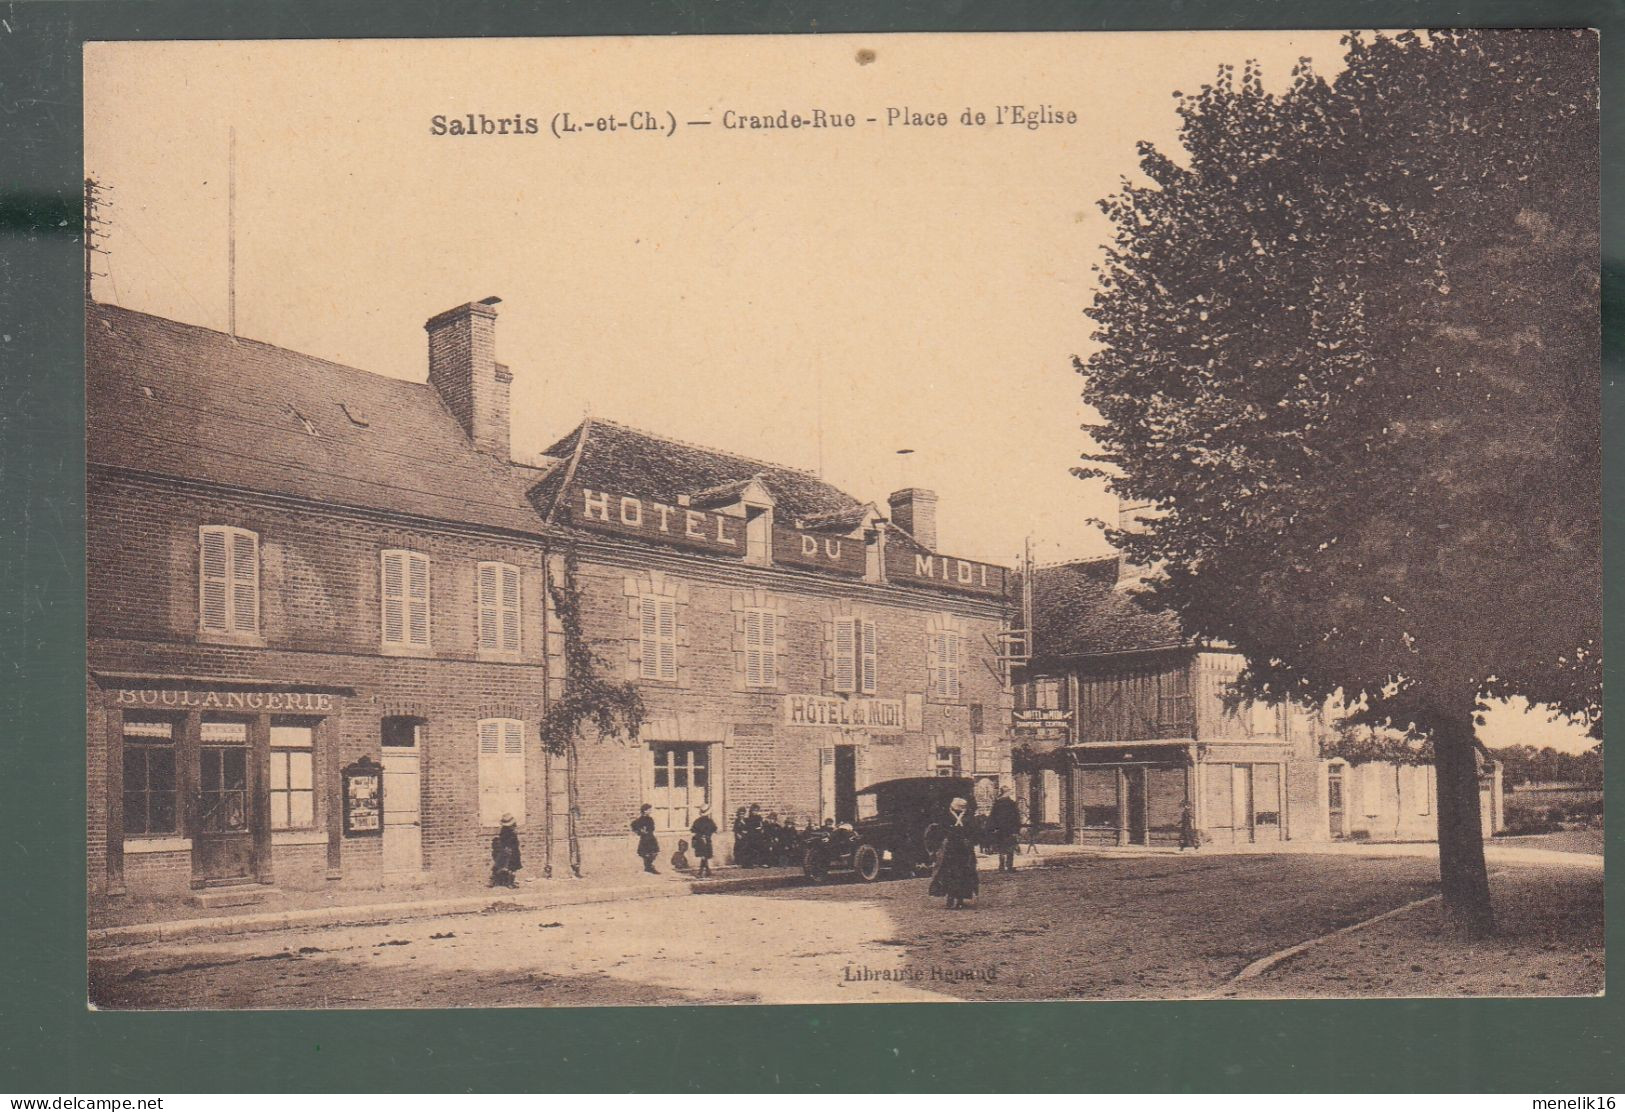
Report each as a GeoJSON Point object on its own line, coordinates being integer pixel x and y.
{"type": "Point", "coordinates": [1134, 806]}
{"type": "Point", "coordinates": [1336, 810]}
{"type": "Point", "coordinates": [402, 752]}
{"type": "Point", "coordinates": [223, 847]}
{"type": "Point", "coordinates": [846, 783]}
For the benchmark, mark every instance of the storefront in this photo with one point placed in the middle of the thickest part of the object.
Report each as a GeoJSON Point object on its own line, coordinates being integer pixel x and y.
{"type": "Point", "coordinates": [216, 783]}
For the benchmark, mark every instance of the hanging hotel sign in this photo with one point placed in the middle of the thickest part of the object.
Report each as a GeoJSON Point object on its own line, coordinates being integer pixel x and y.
{"type": "Point", "coordinates": [851, 714]}
{"type": "Point", "coordinates": [927, 569]}
{"type": "Point", "coordinates": [364, 797]}
{"type": "Point", "coordinates": [171, 698]}
{"type": "Point", "coordinates": [1043, 723]}
{"type": "Point", "coordinates": [650, 520]}
{"type": "Point", "coordinates": [820, 551]}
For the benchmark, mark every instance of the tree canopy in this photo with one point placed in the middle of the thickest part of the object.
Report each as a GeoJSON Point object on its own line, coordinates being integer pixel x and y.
{"type": "Point", "coordinates": [1349, 350]}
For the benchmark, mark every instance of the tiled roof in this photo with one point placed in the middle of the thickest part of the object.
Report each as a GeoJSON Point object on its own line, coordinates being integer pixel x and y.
{"type": "Point", "coordinates": [178, 400]}
{"type": "Point", "coordinates": [1078, 610]}
{"type": "Point", "coordinates": [629, 461]}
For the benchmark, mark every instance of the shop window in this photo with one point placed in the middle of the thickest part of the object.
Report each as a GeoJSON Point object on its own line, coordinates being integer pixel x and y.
{"type": "Point", "coordinates": [1165, 799]}
{"type": "Point", "coordinates": [856, 656]}
{"type": "Point", "coordinates": [680, 782]}
{"type": "Point", "coordinates": [657, 632]}
{"type": "Point", "coordinates": [1097, 798]}
{"type": "Point", "coordinates": [761, 648]}
{"type": "Point", "coordinates": [948, 760]}
{"type": "Point", "coordinates": [405, 600]}
{"type": "Point", "coordinates": [228, 580]}
{"type": "Point", "coordinates": [149, 777]}
{"type": "Point", "coordinates": [502, 769]}
{"type": "Point", "coordinates": [293, 775]}
{"type": "Point", "coordinates": [499, 608]}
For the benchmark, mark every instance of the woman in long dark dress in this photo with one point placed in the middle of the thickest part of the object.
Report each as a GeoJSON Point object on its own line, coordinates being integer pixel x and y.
{"type": "Point", "coordinates": [955, 873]}
{"type": "Point", "coordinates": [704, 827]}
{"type": "Point", "coordinates": [505, 854]}
{"type": "Point", "coordinates": [648, 847]}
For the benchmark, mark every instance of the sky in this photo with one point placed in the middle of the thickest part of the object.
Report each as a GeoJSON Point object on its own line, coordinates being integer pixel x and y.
{"type": "Point", "coordinates": [819, 298]}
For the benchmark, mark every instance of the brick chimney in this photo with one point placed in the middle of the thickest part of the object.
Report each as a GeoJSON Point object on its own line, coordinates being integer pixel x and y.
{"type": "Point", "coordinates": [915, 511]}
{"type": "Point", "coordinates": [464, 371]}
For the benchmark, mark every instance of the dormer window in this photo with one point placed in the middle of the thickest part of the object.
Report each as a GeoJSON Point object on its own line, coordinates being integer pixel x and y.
{"type": "Point", "coordinates": [758, 535]}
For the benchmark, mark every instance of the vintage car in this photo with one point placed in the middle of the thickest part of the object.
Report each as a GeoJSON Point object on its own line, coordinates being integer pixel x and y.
{"type": "Point", "coordinates": [892, 829]}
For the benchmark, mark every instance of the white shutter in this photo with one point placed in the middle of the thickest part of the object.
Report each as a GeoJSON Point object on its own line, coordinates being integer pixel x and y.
{"type": "Point", "coordinates": [846, 678]}
{"type": "Point", "coordinates": [213, 581]}
{"type": "Point", "coordinates": [513, 768]}
{"type": "Point", "coordinates": [950, 644]}
{"type": "Point", "coordinates": [770, 648]}
{"type": "Point", "coordinates": [753, 648]}
{"type": "Point", "coordinates": [491, 780]}
{"type": "Point", "coordinates": [245, 582]}
{"type": "Point", "coordinates": [510, 609]}
{"type": "Point", "coordinates": [417, 598]}
{"type": "Point", "coordinates": [487, 605]}
{"type": "Point", "coordinates": [393, 596]}
{"type": "Point", "coordinates": [649, 636]}
{"type": "Point", "coordinates": [870, 678]}
{"type": "Point", "coordinates": [668, 638]}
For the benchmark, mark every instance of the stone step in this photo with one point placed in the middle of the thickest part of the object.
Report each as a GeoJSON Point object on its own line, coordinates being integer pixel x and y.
{"type": "Point", "coordinates": [231, 895]}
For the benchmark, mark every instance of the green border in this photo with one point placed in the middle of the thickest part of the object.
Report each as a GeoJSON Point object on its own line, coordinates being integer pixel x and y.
{"type": "Point", "coordinates": [50, 1044]}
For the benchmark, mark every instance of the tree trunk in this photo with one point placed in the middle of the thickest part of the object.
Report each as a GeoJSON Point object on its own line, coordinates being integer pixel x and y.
{"type": "Point", "coordinates": [573, 799]}
{"type": "Point", "coordinates": [1462, 874]}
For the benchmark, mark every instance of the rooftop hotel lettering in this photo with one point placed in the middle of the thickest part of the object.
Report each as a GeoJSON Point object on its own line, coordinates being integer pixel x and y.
{"type": "Point", "coordinates": [928, 569]}
{"type": "Point", "coordinates": [657, 521]}
{"type": "Point", "coordinates": [819, 551]}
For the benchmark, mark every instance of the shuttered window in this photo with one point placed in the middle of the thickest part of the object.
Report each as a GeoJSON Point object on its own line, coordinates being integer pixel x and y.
{"type": "Point", "coordinates": [498, 606]}
{"type": "Point", "coordinates": [405, 598]}
{"type": "Point", "coordinates": [657, 632]}
{"type": "Point", "coordinates": [228, 580]}
{"type": "Point", "coordinates": [855, 667]}
{"type": "Point", "coordinates": [948, 665]}
{"type": "Point", "coordinates": [502, 770]}
{"type": "Point", "coordinates": [761, 648]}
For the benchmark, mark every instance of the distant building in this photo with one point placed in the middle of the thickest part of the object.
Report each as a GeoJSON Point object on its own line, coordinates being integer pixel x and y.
{"type": "Point", "coordinates": [1122, 726]}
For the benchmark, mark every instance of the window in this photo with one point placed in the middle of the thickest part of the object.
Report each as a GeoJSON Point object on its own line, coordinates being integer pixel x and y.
{"type": "Point", "coordinates": [1262, 720]}
{"type": "Point", "coordinates": [498, 608]}
{"type": "Point", "coordinates": [945, 678]}
{"type": "Point", "coordinates": [149, 776]}
{"type": "Point", "coordinates": [293, 780]}
{"type": "Point", "coordinates": [855, 656]}
{"type": "Point", "coordinates": [761, 648]}
{"type": "Point", "coordinates": [1047, 693]}
{"type": "Point", "coordinates": [502, 770]}
{"type": "Point", "coordinates": [758, 536]}
{"type": "Point", "coordinates": [947, 762]}
{"type": "Point", "coordinates": [405, 597]}
{"type": "Point", "coordinates": [657, 630]}
{"type": "Point", "coordinates": [680, 783]}
{"type": "Point", "coordinates": [228, 580]}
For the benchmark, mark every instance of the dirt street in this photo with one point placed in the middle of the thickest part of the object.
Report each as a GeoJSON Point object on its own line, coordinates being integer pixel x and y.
{"type": "Point", "coordinates": [1154, 927]}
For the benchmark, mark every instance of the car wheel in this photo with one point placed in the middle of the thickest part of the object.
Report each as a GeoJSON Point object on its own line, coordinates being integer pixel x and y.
{"type": "Point", "coordinates": [814, 866]}
{"type": "Point", "coordinates": [866, 862]}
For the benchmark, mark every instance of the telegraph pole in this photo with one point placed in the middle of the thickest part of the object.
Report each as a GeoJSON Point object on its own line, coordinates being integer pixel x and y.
{"type": "Point", "coordinates": [231, 234]}
{"type": "Point", "coordinates": [94, 203]}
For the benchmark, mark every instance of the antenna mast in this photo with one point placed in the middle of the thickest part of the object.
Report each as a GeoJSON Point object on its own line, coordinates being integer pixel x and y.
{"type": "Point", "coordinates": [231, 234]}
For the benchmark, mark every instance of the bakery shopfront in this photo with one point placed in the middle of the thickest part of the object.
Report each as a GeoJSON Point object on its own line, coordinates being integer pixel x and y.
{"type": "Point", "coordinates": [216, 783]}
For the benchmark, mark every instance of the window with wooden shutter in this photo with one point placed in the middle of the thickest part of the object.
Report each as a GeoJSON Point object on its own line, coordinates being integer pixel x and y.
{"type": "Point", "coordinates": [501, 770]}
{"type": "Point", "coordinates": [404, 596]}
{"type": "Point", "coordinates": [846, 654]}
{"type": "Point", "coordinates": [761, 648]}
{"type": "Point", "coordinates": [868, 672]}
{"type": "Point", "coordinates": [948, 664]}
{"type": "Point", "coordinates": [657, 633]}
{"type": "Point", "coordinates": [498, 608]}
{"type": "Point", "coordinates": [228, 580]}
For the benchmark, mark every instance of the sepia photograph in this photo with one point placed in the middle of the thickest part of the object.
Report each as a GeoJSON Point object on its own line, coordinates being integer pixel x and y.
{"type": "Point", "coordinates": [829, 519]}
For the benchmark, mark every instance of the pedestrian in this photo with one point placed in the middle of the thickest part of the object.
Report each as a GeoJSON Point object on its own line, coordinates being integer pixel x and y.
{"type": "Point", "coordinates": [1004, 829]}
{"type": "Point", "coordinates": [789, 842]}
{"type": "Point", "coordinates": [679, 860]}
{"type": "Point", "coordinates": [772, 839]}
{"type": "Point", "coordinates": [704, 827]}
{"type": "Point", "coordinates": [505, 854]}
{"type": "Point", "coordinates": [755, 852]}
{"type": "Point", "coordinates": [648, 847]}
{"type": "Point", "coordinates": [741, 839]}
{"type": "Point", "coordinates": [1189, 838]}
{"type": "Point", "coordinates": [955, 872]}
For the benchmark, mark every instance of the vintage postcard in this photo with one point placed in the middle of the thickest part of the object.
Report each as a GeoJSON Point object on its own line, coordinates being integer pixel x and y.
{"type": "Point", "coordinates": [824, 519]}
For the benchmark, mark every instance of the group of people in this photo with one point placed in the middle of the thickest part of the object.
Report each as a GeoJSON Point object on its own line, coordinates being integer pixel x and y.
{"type": "Point", "coordinates": [763, 841]}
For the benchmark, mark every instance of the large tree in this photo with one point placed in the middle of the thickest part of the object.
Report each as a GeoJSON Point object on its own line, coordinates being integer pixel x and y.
{"type": "Point", "coordinates": [1349, 350]}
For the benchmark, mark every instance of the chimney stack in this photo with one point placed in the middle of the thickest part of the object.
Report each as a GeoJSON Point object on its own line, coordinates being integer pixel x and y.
{"type": "Point", "coordinates": [915, 512]}
{"type": "Point", "coordinates": [464, 371]}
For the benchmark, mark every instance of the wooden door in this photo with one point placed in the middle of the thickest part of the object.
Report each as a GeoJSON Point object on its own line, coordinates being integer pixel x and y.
{"type": "Point", "coordinates": [223, 841]}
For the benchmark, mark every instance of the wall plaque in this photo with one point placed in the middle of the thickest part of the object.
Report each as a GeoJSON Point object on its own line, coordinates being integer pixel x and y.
{"type": "Point", "coordinates": [364, 797]}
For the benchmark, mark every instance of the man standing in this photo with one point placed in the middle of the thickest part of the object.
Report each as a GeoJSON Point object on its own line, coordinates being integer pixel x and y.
{"type": "Point", "coordinates": [1004, 829]}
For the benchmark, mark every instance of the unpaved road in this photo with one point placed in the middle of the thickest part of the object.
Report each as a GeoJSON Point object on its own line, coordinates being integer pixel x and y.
{"type": "Point", "coordinates": [1155, 927]}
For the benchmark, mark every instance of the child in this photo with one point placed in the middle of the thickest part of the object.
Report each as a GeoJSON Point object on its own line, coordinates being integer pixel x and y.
{"type": "Point", "coordinates": [679, 860]}
{"type": "Point", "coordinates": [704, 827]}
{"type": "Point", "coordinates": [648, 847]}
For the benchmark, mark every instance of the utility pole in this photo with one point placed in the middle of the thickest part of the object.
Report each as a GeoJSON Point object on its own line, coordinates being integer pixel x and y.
{"type": "Point", "coordinates": [231, 234]}
{"type": "Point", "coordinates": [95, 201]}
